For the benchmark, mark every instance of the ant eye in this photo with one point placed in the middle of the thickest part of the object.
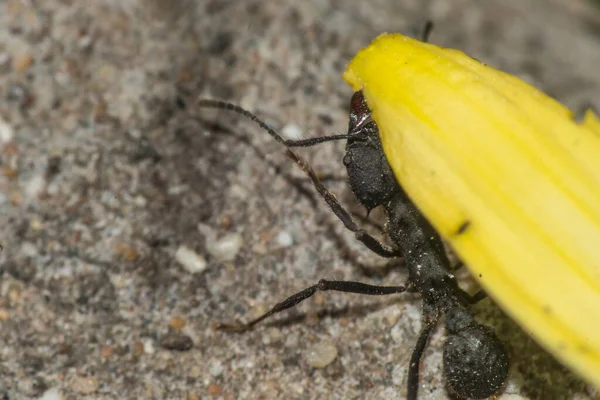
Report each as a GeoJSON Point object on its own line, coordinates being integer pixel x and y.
{"type": "Point", "coordinates": [475, 361]}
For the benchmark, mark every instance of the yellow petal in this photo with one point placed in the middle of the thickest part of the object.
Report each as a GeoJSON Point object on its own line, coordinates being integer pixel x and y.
{"type": "Point", "coordinates": [591, 122]}
{"type": "Point", "coordinates": [472, 144]}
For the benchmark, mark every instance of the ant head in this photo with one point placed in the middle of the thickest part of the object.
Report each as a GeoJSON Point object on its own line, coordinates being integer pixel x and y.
{"type": "Point", "coordinates": [369, 173]}
{"type": "Point", "coordinates": [475, 361]}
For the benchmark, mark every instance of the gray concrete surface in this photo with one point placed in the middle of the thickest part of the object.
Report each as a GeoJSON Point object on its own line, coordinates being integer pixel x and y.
{"type": "Point", "coordinates": [105, 183]}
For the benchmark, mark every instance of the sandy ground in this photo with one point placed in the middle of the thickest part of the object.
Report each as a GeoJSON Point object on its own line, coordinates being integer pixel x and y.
{"type": "Point", "coordinates": [107, 183]}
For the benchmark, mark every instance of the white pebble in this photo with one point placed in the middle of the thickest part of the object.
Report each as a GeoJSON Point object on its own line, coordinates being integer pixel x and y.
{"type": "Point", "coordinates": [4, 59]}
{"type": "Point", "coordinates": [238, 191]}
{"type": "Point", "coordinates": [28, 249]}
{"type": "Point", "coordinates": [140, 201]}
{"type": "Point", "coordinates": [512, 385]}
{"type": "Point", "coordinates": [399, 375]}
{"type": "Point", "coordinates": [85, 42]}
{"type": "Point", "coordinates": [6, 131]}
{"type": "Point", "coordinates": [284, 239]}
{"type": "Point", "coordinates": [177, 189]}
{"type": "Point", "coordinates": [321, 355]}
{"type": "Point", "coordinates": [35, 186]}
{"type": "Point", "coordinates": [148, 346]}
{"type": "Point", "coordinates": [51, 394]}
{"type": "Point", "coordinates": [507, 396]}
{"type": "Point", "coordinates": [291, 131]}
{"type": "Point", "coordinates": [191, 261]}
{"type": "Point", "coordinates": [226, 248]}
{"type": "Point", "coordinates": [216, 369]}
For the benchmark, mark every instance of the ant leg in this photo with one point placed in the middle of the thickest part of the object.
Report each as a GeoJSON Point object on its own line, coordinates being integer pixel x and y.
{"type": "Point", "coordinates": [473, 299]}
{"type": "Point", "coordinates": [477, 297]}
{"type": "Point", "coordinates": [372, 243]}
{"type": "Point", "coordinates": [323, 285]}
{"type": "Point", "coordinates": [369, 241]}
{"type": "Point", "coordinates": [415, 360]}
{"type": "Point", "coordinates": [459, 264]}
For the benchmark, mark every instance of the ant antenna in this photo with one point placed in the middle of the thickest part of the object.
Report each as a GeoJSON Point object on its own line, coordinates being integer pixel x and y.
{"type": "Point", "coordinates": [426, 32]}
{"type": "Point", "coordinates": [223, 105]}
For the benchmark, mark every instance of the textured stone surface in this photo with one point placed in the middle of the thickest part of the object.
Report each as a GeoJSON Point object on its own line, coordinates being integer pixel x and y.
{"type": "Point", "coordinates": [103, 177]}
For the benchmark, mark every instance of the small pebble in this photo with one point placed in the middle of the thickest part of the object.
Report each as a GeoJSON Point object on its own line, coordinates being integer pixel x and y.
{"type": "Point", "coordinates": [392, 317]}
{"type": "Point", "coordinates": [84, 384]}
{"type": "Point", "coordinates": [52, 394]}
{"type": "Point", "coordinates": [138, 348]}
{"type": "Point", "coordinates": [225, 222]}
{"type": "Point", "coordinates": [178, 189]}
{"type": "Point", "coordinates": [140, 201]}
{"type": "Point", "coordinates": [291, 131]}
{"type": "Point", "coordinates": [22, 63]}
{"type": "Point", "coordinates": [20, 95]}
{"type": "Point", "coordinates": [148, 346]}
{"type": "Point", "coordinates": [35, 186]}
{"type": "Point", "coordinates": [28, 249]}
{"type": "Point", "coordinates": [284, 239]}
{"type": "Point", "coordinates": [216, 368]}
{"type": "Point", "coordinates": [4, 315]}
{"type": "Point", "coordinates": [106, 351]}
{"type": "Point", "coordinates": [31, 386]}
{"type": "Point", "coordinates": [226, 248]}
{"type": "Point", "coordinates": [399, 375]}
{"type": "Point", "coordinates": [14, 294]}
{"type": "Point", "coordinates": [85, 42]}
{"type": "Point", "coordinates": [176, 342]}
{"type": "Point", "coordinates": [36, 224]}
{"type": "Point", "coordinates": [126, 252]}
{"type": "Point", "coordinates": [214, 390]}
{"type": "Point", "coordinates": [177, 322]}
{"type": "Point", "coordinates": [191, 261]}
{"type": "Point", "coordinates": [321, 355]}
{"type": "Point", "coordinates": [10, 173]}
{"type": "Point", "coordinates": [507, 396]}
{"type": "Point", "coordinates": [195, 372]}
{"type": "Point", "coordinates": [4, 59]}
{"type": "Point", "coordinates": [274, 333]}
{"type": "Point", "coordinates": [6, 131]}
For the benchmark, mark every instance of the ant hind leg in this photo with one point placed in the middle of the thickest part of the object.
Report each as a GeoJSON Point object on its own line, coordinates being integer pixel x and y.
{"type": "Point", "coordinates": [323, 285]}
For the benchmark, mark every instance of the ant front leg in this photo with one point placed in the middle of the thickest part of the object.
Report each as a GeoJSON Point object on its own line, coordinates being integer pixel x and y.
{"type": "Point", "coordinates": [323, 285]}
{"type": "Point", "coordinates": [361, 235]}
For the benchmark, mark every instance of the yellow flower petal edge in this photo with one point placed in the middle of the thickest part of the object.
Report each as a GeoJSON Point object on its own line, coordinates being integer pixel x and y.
{"type": "Point", "coordinates": [591, 122]}
{"type": "Point", "coordinates": [476, 147]}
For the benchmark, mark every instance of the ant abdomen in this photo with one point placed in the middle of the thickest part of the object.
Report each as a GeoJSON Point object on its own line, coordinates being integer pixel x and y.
{"type": "Point", "coordinates": [475, 361]}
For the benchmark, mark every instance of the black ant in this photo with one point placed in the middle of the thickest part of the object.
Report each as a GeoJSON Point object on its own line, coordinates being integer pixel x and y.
{"type": "Point", "coordinates": [475, 362]}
